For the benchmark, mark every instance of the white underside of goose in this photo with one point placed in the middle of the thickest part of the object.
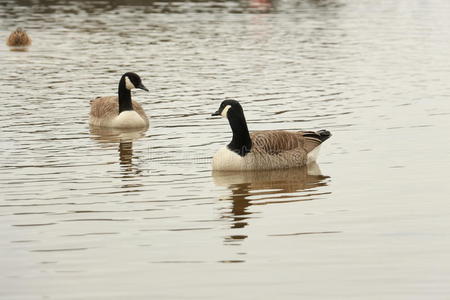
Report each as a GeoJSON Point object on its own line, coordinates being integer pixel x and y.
{"type": "Point", "coordinates": [313, 155]}
{"type": "Point", "coordinates": [227, 160]}
{"type": "Point", "coordinates": [126, 119]}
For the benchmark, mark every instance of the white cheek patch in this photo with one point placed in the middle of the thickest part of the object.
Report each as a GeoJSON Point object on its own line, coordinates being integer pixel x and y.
{"type": "Point", "coordinates": [225, 111]}
{"type": "Point", "coordinates": [129, 84]}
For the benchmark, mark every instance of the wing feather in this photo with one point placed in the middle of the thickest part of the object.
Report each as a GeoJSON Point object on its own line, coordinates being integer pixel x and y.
{"type": "Point", "coordinates": [19, 38]}
{"type": "Point", "coordinates": [105, 108]}
{"type": "Point", "coordinates": [275, 141]}
{"type": "Point", "coordinates": [279, 141]}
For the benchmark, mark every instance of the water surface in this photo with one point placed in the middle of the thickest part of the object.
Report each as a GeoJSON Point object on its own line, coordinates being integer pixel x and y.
{"type": "Point", "coordinates": [100, 214]}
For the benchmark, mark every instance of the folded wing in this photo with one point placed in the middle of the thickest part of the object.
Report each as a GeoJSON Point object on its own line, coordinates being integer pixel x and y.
{"type": "Point", "coordinates": [279, 141]}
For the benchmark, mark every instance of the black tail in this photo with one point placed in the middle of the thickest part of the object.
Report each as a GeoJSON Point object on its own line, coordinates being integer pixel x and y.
{"type": "Point", "coordinates": [320, 136]}
{"type": "Point", "coordinates": [323, 135]}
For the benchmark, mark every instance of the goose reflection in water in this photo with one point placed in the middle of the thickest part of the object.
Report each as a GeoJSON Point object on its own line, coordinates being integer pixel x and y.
{"type": "Point", "coordinates": [125, 138]}
{"type": "Point", "coordinates": [267, 187]}
{"type": "Point", "coordinates": [115, 135]}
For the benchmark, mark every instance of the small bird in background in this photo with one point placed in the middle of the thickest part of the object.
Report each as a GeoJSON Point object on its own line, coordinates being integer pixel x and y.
{"type": "Point", "coordinates": [19, 38]}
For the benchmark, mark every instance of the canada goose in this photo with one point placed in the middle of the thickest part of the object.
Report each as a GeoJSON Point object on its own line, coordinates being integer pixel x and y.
{"type": "Point", "coordinates": [264, 150]}
{"type": "Point", "coordinates": [121, 111]}
{"type": "Point", "coordinates": [18, 38]}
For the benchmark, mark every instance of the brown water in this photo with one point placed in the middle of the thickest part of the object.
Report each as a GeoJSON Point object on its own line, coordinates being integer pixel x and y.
{"type": "Point", "coordinates": [88, 214]}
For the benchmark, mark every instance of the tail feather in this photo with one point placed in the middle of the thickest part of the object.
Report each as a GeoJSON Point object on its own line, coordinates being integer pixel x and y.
{"type": "Point", "coordinates": [324, 135]}
{"type": "Point", "coordinates": [321, 135]}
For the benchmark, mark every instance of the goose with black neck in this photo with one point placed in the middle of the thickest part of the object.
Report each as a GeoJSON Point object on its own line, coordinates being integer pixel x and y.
{"type": "Point", "coordinates": [120, 111]}
{"type": "Point", "coordinates": [264, 150]}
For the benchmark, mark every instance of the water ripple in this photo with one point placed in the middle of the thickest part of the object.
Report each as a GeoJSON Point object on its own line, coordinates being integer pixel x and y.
{"type": "Point", "coordinates": [91, 206]}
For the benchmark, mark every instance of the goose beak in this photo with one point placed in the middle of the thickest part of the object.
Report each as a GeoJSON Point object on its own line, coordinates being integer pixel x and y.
{"type": "Point", "coordinates": [142, 87]}
{"type": "Point", "coordinates": [217, 113]}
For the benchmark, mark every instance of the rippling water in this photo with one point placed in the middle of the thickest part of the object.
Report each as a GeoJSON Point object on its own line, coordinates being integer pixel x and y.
{"type": "Point", "coordinates": [95, 214]}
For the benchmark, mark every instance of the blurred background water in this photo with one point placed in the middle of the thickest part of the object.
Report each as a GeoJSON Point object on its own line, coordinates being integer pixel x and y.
{"type": "Point", "coordinates": [94, 214]}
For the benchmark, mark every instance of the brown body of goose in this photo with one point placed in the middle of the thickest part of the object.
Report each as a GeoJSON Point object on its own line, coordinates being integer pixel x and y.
{"type": "Point", "coordinates": [18, 38]}
{"type": "Point", "coordinates": [264, 150]}
{"type": "Point", "coordinates": [105, 112]}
